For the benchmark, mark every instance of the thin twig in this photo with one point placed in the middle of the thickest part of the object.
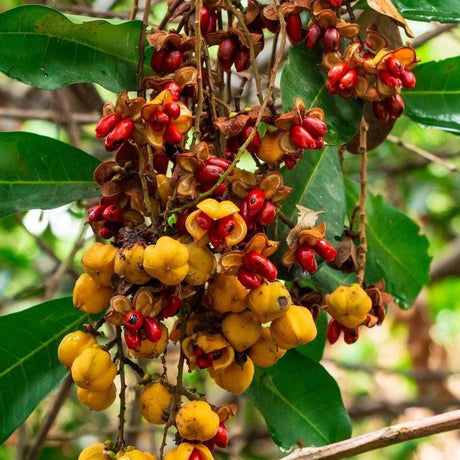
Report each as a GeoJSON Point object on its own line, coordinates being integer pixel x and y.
{"type": "Point", "coordinates": [169, 14]}
{"type": "Point", "coordinates": [239, 93]}
{"type": "Point", "coordinates": [145, 190]}
{"type": "Point", "coordinates": [134, 10]}
{"type": "Point", "coordinates": [122, 394]}
{"type": "Point", "coordinates": [381, 438]}
{"type": "Point", "coordinates": [198, 51]}
{"type": "Point", "coordinates": [141, 46]}
{"type": "Point", "coordinates": [285, 219]}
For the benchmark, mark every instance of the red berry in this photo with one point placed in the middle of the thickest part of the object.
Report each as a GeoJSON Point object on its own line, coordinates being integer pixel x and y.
{"type": "Point", "coordinates": [113, 213]}
{"type": "Point", "coordinates": [134, 320]}
{"type": "Point", "coordinates": [225, 226]}
{"type": "Point", "coordinates": [133, 339]}
{"type": "Point", "coordinates": [221, 162]}
{"type": "Point", "coordinates": [107, 123]}
{"type": "Point", "coordinates": [208, 174]}
{"type": "Point", "coordinates": [294, 28]}
{"type": "Point", "coordinates": [349, 80]}
{"type": "Point", "coordinates": [152, 329]}
{"type": "Point", "coordinates": [95, 213]}
{"type": "Point", "coordinates": [290, 160]}
{"type": "Point", "coordinates": [335, 3]}
{"type": "Point", "coordinates": [226, 64]}
{"type": "Point", "coordinates": [157, 61]}
{"type": "Point", "coordinates": [314, 35]}
{"type": "Point", "coordinates": [331, 40]}
{"type": "Point", "coordinates": [227, 50]}
{"type": "Point", "coordinates": [260, 264]}
{"type": "Point", "coordinates": [381, 111]}
{"type": "Point", "coordinates": [267, 214]}
{"type": "Point", "coordinates": [203, 363]}
{"type": "Point", "coordinates": [407, 79]}
{"type": "Point", "coordinates": [395, 105]}
{"type": "Point", "coordinates": [172, 110]}
{"type": "Point", "coordinates": [248, 278]}
{"type": "Point", "coordinates": [220, 439]}
{"type": "Point", "coordinates": [173, 60]}
{"type": "Point", "coordinates": [394, 66]}
{"type": "Point", "coordinates": [172, 135]}
{"type": "Point", "coordinates": [301, 137]}
{"type": "Point", "coordinates": [306, 258]}
{"type": "Point", "coordinates": [205, 14]}
{"type": "Point", "coordinates": [254, 145]}
{"type": "Point", "coordinates": [119, 134]}
{"type": "Point", "coordinates": [109, 230]}
{"type": "Point", "coordinates": [337, 72]}
{"type": "Point", "coordinates": [244, 211]}
{"type": "Point", "coordinates": [350, 335]}
{"type": "Point", "coordinates": [160, 162]}
{"type": "Point", "coordinates": [171, 305]}
{"type": "Point", "coordinates": [319, 143]}
{"type": "Point", "coordinates": [242, 59]}
{"type": "Point", "coordinates": [214, 238]}
{"type": "Point", "coordinates": [389, 79]}
{"type": "Point", "coordinates": [204, 221]}
{"type": "Point", "coordinates": [325, 249]}
{"type": "Point", "coordinates": [158, 120]}
{"type": "Point", "coordinates": [212, 24]}
{"type": "Point", "coordinates": [333, 331]}
{"type": "Point", "coordinates": [174, 88]}
{"type": "Point", "coordinates": [255, 200]}
{"type": "Point", "coordinates": [315, 127]}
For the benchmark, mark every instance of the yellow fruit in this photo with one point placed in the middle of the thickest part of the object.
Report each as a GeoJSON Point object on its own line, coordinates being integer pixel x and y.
{"type": "Point", "coordinates": [97, 400]}
{"type": "Point", "coordinates": [94, 370]}
{"type": "Point", "coordinates": [227, 294]}
{"type": "Point", "coordinates": [209, 343]}
{"type": "Point", "coordinates": [98, 261]}
{"type": "Point", "coordinates": [270, 150]}
{"type": "Point", "coordinates": [167, 261]}
{"type": "Point", "coordinates": [154, 403]}
{"type": "Point", "coordinates": [265, 352]}
{"type": "Point", "coordinates": [296, 327]}
{"type": "Point", "coordinates": [151, 350]}
{"type": "Point", "coordinates": [185, 449]}
{"type": "Point", "coordinates": [241, 329]}
{"type": "Point", "coordinates": [164, 188]}
{"type": "Point", "coordinates": [196, 421]}
{"type": "Point", "coordinates": [94, 452]}
{"type": "Point", "coordinates": [128, 264]}
{"type": "Point", "coordinates": [349, 305]}
{"type": "Point", "coordinates": [134, 454]}
{"type": "Point", "coordinates": [201, 265]}
{"type": "Point", "coordinates": [90, 296]}
{"type": "Point", "coordinates": [269, 301]}
{"type": "Point", "coordinates": [72, 345]}
{"type": "Point", "coordinates": [235, 378]}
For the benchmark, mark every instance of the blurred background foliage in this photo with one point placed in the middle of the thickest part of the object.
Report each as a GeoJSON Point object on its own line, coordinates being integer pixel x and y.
{"type": "Point", "coordinates": [405, 369]}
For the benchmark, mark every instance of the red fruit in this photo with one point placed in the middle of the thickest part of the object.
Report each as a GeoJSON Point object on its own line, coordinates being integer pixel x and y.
{"type": "Point", "coordinates": [157, 61]}
{"type": "Point", "coordinates": [306, 258]}
{"type": "Point", "coordinates": [220, 439]}
{"type": "Point", "coordinates": [294, 28]}
{"type": "Point", "coordinates": [313, 36]}
{"type": "Point", "coordinates": [212, 25]}
{"type": "Point", "coordinates": [225, 226]}
{"type": "Point", "coordinates": [227, 50]}
{"type": "Point", "coordinates": [267, 214]}
{"type": "Point", "coordinates": [319, 143]}
{"type": "Point", "coordinates": [331, 40]}
{"type": "Point", "coordinates": [226, 64]}
{"type": "Point", "coordinates": [152, 329]}
{"type": "Point", "coordinates": [195, 455]}
{"type": "Point", "coordinates": [221, 162]}
{"type": "Point", "coordinates": [202, 362]}
{"type": "Point", "coordinates": [333, 331]}
{"type": "Point", "coordinates": [208, 174]}
{"type": "Point", "coordinates": [174, 88]}
{"type": "Point", "coordinates": [205, 14]}
{"type": "Point", "coordinates": [389, 79]}
{"type": "Point", "coordinates": [171, 305]}
{"type": "Point", "coordinates": [394, 66]}
{"type": "Point", "coordinates": [349, 80]}
{"type": "Point", "coordinates": [407, 79]}
{"type": "Point", "coordinates": [254, 145]}
{"type": "Point", "coordinates": [325, 249]}
{"type": "Point", "coordinates": [337, 72]}
{"type": "Point", "coordinates": [395, 105]}
{"type": "Point", "coordinates": [242, 59]}
{"type": "Point", "coordinates": [119, 134]}
{"type": "Point", "coordinates": [172, 135]}
{"type": "Point", "coordinates": [95, 213]}
{"type": "Point", "coordinates": [350, 335]}
{"type": "Point", "coordinates": [134, 320]}
{"type": "Point", "coordinates": [160, 162]}
{"type": "Point", "coordinates": [173, 60]}
{"type": "Point", "coordinates": [315, 127]}
{"type": "Point", "coordinates": [301, 137]}
{"type": "Point", "coordinates": [254, 201]}
{"type": "Point", "coordinates": [260, 264]}
{"type": "Point", "coordinates": [172, 110]}
{"type": "Point", "coordinates": [109, 230]}
{"type": "Point", "coordinates": [248, 279]}
{"type": "Point", "coordinates": [113, 213]}
{"type": "Point", "coordinates": [335, 3]}
{"type": "Point", "coordinates": [290, 160]}
{"type": "Point", "coordinates": [204, 221]}
{"type": "Point", "coordinates": [381, 111]}
{"type": "Point", "coordinates": [244, 212]}
{"type": "Point", "coordinates": [107, 123]}
{"type": "Point", "coordinates": [158, 120]}
{"type": "Point", "coordinates": [214, 238]}
{"type": "Point", "coordinates": [133, 339]}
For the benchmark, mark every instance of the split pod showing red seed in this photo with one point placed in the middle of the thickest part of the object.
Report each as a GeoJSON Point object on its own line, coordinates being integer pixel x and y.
{"type": "Point", "coordinates": [107, 123]}
{"type": "Point", "coordinates": [294, 28]}
{"type": "Point", "coordinates": [255, 200]}
{"type": "Point", "coordinates": [152, 329]}
{"type": "Point", "coordinates": [301, 137]}
{"type": "Point", "coordinates": [325, 249]}
{"type": "Point", "coordinates": [133, 339]}
{"type": "Point", "coordinates": [248, 278]}
{"type": "Point", "coordinates": [260, 264]}
{"type": "Point", "coordinates": [306, 258]}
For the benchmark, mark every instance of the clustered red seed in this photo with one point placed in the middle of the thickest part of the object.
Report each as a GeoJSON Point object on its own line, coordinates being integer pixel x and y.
{"type": "Point", "coordinates": [117, 129]}
{"type": "Point", "coordinates": [218, 230]}
{"type": "Point", "coordinates": [111, 214]}
{"type": "Point", "coordinates": [255, 268]}
{"type": "Point", "coordinates": [390, 107]}
{"type": "Point", "coordinates": [220, 439]}
{"type": "Point", "coordinates": [171, 305]}
{"type": "Point", "coordinates": [231, 52]}
{"type": "Point", "coordinates": [135, 324]}
{"type": "Point", "coordinates": [209, 172]}
{"type": "Point", "coordinates": [166, 61]}
{"type": "Point", "coordinates": [305, 254]}
{"type": "Point", "coordinates": [204, 360]}
{"type": "Point", "coordinates": [341, 78]}
{"type": "Point", "coordinates": [257, 211]}
{"type": "Point", "coordinates": [310, 134]}
{"type": "Point", "coordinates": [208, 21]}
{"type": "Point", "coordinates": [334, 328]}
{"type": "Point", "coordinates": [396, 75]}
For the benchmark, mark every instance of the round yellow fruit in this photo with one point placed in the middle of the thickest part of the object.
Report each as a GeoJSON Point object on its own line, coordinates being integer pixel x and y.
{"type": "Point", "coordinates": [94, 370]}
{"type": "Point", "coordinates": [72, 345]}
{"type": "Point", "coordinates": [269, 302]}
{"type": "Point", "coordinates": [98, 261]}
{"type": "Point", "coordinates": [227, 294]}
{"type": "Point", "coordinates": [97, 400]}
{"type": "Point", "coordinates": [90, 296]}
{"type": "Point", "coordinates": [241, 329]}
{"type": "Point", "coordinates": [235, 378]}
{"type": "Point", "coordinates": [201, 265]}
{"type": "Point", "coordinates": [167, 261]}
{"type": "Point", "coordinates": [296, 327]}
{"type": "Point", "coordinates": [134, 454]}
{"type": "Point", "coordinates": [94, 452]}
{"type": "Point", "coordinates": [265, 352]}
{"type": "Point", "coordinates": [129, 264]}
{"type": "Point", "coordinates": [196, 421]}
{"type": "Point", "coordinates": [154, 403]}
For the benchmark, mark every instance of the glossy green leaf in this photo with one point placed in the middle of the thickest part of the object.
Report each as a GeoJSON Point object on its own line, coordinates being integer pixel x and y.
{"type": "Point", "coordinates": [429, 10]}
{"type": "Point", "coordinates": [40, 172]}
{"type": "Point", "coordinates": [42, 47]}
{"type": "Point", "coordinates": [300, 402]}
{"type": "Point", "coordinates": [303, 77]}
{"type": "Point", "coordinates": [435, 100]}
{"type": "Point", "coordinates": [30, 369]}
{"type": "Point", "coordinates": [397, 252]}
{"type": "Point", "coordinates": [327, 279]}
{"type": "Point", "coordinates": [315, 349]}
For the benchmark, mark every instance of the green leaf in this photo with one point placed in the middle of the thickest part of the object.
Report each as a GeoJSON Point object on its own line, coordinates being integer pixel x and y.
{"type": "Point", "coordinates": [435, 100]}
{"type": "Point", "coordinates": [42, 48]}
{"type": "Point", "coordinates": [300, 402]}
{"type": "Point", "coordinates": [429, 10]}
{"type": "Point", "coordinates": [30, 369]}
{"type": "Point", "coordinates": [327, 279]}
{"type": "Point", "coordinates": [396, 250]}
{"type": "Point", "coordinates": [315, 349]}
{"type": "Point", "coordinates": [40, 172]}
{"type": "Point", "coordinates": [303, 77]}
